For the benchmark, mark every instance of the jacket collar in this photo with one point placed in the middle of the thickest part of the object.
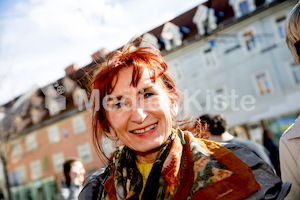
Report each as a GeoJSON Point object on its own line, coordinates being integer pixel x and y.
{"type": "Point", "coordinates": [293, 131]}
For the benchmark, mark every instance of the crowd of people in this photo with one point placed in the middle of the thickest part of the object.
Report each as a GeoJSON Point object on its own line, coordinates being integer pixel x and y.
{"type": "Point", "coordinates": [159, 157]}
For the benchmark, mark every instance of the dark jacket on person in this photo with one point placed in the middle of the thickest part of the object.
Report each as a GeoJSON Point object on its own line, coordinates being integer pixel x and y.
{"type": "Point", "coordinates": [255, 147]}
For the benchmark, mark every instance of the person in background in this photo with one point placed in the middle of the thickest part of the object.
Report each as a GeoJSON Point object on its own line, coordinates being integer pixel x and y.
{"type": "Point", "coordinates": [74, 172]}
{"type": "Point", "coordinates": [159, 160]}
{"type": "Point", "coordinates": [217, 130]}
{"type": "Point", "coordinates": [289, 143]}
{"type": "Point", "coordinates": [273, 149]}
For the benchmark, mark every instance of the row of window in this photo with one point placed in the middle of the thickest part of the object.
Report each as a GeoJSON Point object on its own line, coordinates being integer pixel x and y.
{"type": "Point", "coordinates": [37, 167]}
{"type": "Point", "coordinates": [263, 83]}
{"type": "Point", "coordinates": [243, 7]}
{"type": "Point", "coordinates": [262, 80]}
{"type": "Point", "coordinates": [221, 98]}
{"type": "Point", "coordinates": [54, 136]}
{"type": "Point", "coordinates": [249, 40]}
{"type": "Point", "coordinates": [78, 125]}
{"type": "Point", "coordinates": [206, 21]}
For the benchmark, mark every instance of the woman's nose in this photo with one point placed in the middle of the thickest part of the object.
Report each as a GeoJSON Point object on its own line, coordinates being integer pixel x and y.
{"type": "Point", "coordinates": [138, 115]}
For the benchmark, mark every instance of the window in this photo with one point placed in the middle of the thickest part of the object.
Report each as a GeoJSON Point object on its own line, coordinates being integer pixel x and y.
{"type": "Point", "coordinates": [263, 83]}
{"type": "Point", "coordinates": [205, 19]}
{"type": "Point", "coordinates": [280, 26]}
{"type": "Point", "coordinates": [250, 41]}
{"type": "Point", "coordinates": [53, 108]}
{"type": "Point", "coordinates": [31, 142]}
{"type": "Point", "coordinates": [36, 101]}
{"type": "Point", "coordinates": [19, 122]}
{"type": "Point", "coordinates": [174, 70]}
{"type": "Point", "coordinates": [84, 152]}
{"type": "Point", "coordinates": [36, 170]}
{"type": "Point", "coordinates": [78, 97]}
{"type": "Point", "coordinates": [210, 57]}
{"type": "Point", "coordinates": [58, 160]}
{"type": "Point", "coordinates": [220, 98]}
{"type": "Point", "coordinates": [54, 101]}
{"type": "Point", "coordinates": [17, 149]}
{"type": "Point", "coordinates": [171, 35]}
{"type": "Point", "coordinates": [45, 163]}
{"type": "Point", "coordinates": [149, 40]}
{"type": "Point", "coordinates": [35, 115]}
{"type": "Point", "coordinates": [244, 7]}
{"type": "Point", "coordinates": [21, 174]}
{"type": "Point", "coordinates": [53, 134]}
{"type": "Point", "coordinates": [79, 124]}
{"type": "Point", "coordinates": [13, 179]}
{"type": "Point", "coordinates": [294, 72]}
{"type": "Point", "coordinates": [65, 132]}
{"type": "Point", "coordinates": [68, 84]}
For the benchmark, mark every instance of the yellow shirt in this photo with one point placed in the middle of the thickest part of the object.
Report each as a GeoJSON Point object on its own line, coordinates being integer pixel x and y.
{"type": "Point", "coordinates": [145, 170]}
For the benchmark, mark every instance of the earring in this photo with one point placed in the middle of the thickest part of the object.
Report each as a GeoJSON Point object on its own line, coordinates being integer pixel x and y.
{"type": "Point", "coordinates": [116, 144]}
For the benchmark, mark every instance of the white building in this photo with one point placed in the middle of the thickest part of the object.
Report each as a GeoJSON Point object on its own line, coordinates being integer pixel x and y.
{"type": "Point", "coordinates": [241, 68]}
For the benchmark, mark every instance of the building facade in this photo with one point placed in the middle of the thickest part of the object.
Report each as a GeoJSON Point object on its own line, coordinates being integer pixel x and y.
{"type": "Point", "coordinates": [40, 130]}
{"type": "Point", "coordinates": [35, 167]}
{"type": "Point", "coordinates": [233, 60]}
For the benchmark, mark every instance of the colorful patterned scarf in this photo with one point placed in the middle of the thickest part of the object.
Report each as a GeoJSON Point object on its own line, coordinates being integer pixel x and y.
{"type": "Point", "coordinates": [183, 167]}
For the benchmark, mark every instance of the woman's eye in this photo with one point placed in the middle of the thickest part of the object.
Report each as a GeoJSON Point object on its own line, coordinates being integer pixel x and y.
{"type": "Point", "coordinates": [148, 95]}
{"type": "Point", "coordinates": [118, 105]}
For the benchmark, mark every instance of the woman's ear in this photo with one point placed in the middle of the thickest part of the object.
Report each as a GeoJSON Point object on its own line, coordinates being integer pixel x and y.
{"type": "Point", "coordinates": [174, 109]}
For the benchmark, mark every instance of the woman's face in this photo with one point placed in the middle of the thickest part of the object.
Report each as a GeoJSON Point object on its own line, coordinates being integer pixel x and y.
{"type": "Point", "coordinates": [77, 172]}
{"type": "Point", "coordinates": [141, 117]}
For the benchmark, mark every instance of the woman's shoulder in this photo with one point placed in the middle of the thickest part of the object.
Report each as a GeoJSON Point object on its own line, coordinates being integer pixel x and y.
{"type": "Point", "coordinates": [99, 175]}
{"type": "Point", "coordinates": [271, 184]}
{"type": "Point", "coordinates": [240, 151]}
{"type": "Point", "coordinates": [243, 153]}
{"type": "Point", "coordinates": [94, 184]}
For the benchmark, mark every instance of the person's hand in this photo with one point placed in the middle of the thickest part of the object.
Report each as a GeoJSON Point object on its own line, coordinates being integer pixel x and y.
{"type": "Point", "coordinates": [77, 173]}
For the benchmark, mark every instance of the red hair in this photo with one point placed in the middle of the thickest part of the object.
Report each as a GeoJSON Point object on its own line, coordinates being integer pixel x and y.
{"type": "Point", "coordinates": [140, 58]}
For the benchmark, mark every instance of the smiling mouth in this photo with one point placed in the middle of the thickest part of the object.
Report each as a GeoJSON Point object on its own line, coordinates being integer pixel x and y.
{"type": "Point", "coordinates": [141, 131]}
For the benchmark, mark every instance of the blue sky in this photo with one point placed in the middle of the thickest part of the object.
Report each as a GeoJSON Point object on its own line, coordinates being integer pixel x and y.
{"type": "Point", "coordinates": [39, 38]}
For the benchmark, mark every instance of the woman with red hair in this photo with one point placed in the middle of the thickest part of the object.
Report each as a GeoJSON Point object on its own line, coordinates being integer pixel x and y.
{"type": "Point", "coordinates": [157, 160]}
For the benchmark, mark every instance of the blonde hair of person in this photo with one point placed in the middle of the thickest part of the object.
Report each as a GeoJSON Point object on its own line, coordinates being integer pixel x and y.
{"type": "Point", "coordinates": [292, 31]}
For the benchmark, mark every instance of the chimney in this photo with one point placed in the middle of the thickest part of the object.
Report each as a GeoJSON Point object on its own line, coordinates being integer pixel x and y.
{"type": "Point", "coordinates": [71, 69]}
{"type": "Point", "coordinates": [101, 54]}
